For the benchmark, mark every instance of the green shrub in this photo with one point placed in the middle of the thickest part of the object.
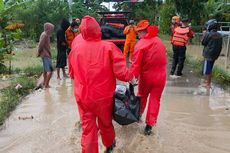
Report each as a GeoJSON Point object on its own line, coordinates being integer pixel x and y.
{"type": "Point", "coordinates": [219, 75]}
{"type": "Point", "coordinates": [33, 70]}
{"type": "Point", "coordinates": [195, 64]}
{"type": "Point", "coordinates": [10, 97]}
{"type": "Point", "coordinates": [3, 68]}
{"type": "Point", "coordinates": [166, 12]}
{"type": "Point", "coordinates": [35, 14]}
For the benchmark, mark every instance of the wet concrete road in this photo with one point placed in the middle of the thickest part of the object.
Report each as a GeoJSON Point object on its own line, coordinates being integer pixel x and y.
{"type": "Point", "coordinates": [192, 120]}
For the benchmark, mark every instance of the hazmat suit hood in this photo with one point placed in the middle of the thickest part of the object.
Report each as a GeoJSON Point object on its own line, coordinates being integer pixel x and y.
{"type": "Point", "coordinates": [48, 28]}
{"type": "Point", "coordinates": [152, 31]}
{"type": "Point", "coordinates": [90, 29]}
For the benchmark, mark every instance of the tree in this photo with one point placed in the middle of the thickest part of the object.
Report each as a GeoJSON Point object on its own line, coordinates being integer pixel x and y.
{"type": "Point", "coordinates": [8, 33]}
{"type": "Point", "coordinates": [41, 11]}
{"type": "Point", "coordinates": [1, 5]}
{"type": "Point", "coordinates": [218, 10]}
{"type": "Point", "coordinates": [167, 11]}
{"type": "Point", "coordinates": [35, 14]}
{"type": "Point", "coordinates": [148, 9]}
{"type": "Point", "coordinates": [191, 9]}
{"type": "Point", "coordinates": [81, 8]}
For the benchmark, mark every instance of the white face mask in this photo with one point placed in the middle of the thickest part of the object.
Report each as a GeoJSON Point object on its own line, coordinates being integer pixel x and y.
{"type": "Point", "coordinates": [141, 34]}
{"type": "Point", "coordinates": [75, 30]}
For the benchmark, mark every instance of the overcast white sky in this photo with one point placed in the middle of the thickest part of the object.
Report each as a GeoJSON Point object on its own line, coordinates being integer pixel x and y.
{"type": "Point", "coordinates": [107, 5]}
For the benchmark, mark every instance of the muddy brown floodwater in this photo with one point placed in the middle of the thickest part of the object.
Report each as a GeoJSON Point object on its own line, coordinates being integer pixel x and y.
{"type": "Point", "coordinates": [192, 120]}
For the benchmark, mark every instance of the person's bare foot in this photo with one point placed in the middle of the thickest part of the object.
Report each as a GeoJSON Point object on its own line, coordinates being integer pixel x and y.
{"type": "Point", "coordinates": [207, 86]}
{"type": "Point", "coordinates": [58, 78]}
{"type": "Point", "coordinates": [65, 76]}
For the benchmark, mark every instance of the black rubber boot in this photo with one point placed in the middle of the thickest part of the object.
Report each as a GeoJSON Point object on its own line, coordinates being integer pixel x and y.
{"type": "Point", "coordinates": [110, 148]}
{"type": "Point", "coordinates": [148, 130]}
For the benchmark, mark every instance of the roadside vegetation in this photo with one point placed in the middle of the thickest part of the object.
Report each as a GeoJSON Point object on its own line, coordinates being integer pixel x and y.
{"type": "Point", "coordinates": [23, 80]}
{"type": "Point", "coordinates": [18, 88]}
{"type": "Point", "coordinates": [219, 75]}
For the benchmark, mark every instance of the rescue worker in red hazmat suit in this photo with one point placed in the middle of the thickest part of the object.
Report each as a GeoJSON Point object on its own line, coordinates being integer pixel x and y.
{"type": "Point", "coordinates": [94, 65]}
{"type": "Point", "coordinates": [150, 68]}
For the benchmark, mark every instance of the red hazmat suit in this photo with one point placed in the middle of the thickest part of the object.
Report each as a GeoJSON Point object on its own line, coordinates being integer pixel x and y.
{"type": "Point", "coordinates": [150, 67]}
{"type": "Point", "coordinates": [94, 65]}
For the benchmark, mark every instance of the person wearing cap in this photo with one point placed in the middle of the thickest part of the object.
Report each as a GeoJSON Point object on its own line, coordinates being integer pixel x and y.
{"type": "Point", "coordinates": [175, 23]}
{"type": "Point", "coordinates": [71, 33]}
{"type": "Point", "coordinates": [212, 42]}
{"type": "Point", "coordinates": [94, 65]}
{"type": "Point", "coordinates": [179, 42]}
{"type": "Point", "coordinates": [149, 67]}
{"type": "Point", "coordinates": [130, 32]}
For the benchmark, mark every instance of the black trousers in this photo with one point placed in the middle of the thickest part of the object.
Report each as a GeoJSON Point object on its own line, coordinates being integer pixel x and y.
{"type": "Point", "coordinates": [179, 55]}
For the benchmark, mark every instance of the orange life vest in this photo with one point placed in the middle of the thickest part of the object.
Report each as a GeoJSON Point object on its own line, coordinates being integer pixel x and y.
{"type": "Point", "coordinates": [180, 36]}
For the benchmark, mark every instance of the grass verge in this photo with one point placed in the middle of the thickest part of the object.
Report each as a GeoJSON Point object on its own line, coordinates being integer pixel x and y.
{"type": "Point", "coordinates": [11, 97]}
{"type": "Point", "coordinates": [219, 75]}
{"type": "Point", "coordinates": [33, 70]}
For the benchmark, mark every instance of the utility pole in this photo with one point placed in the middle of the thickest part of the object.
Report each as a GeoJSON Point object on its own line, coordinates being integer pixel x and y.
{"type": "Point", "coordinates": [70, 2]}
{"type": "Point", "coordinates": [109, 5]}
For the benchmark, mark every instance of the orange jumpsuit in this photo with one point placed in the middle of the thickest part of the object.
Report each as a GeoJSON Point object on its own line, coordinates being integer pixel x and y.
{"type": "Point", "coordinates": [94, 65]}
{"type": "Point", "coordinates": [150, 67]}
{"type": "Point", "coordinates": [130, 32]}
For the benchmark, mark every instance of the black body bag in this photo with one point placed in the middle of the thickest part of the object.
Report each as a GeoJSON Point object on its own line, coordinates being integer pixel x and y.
{"type": "Point", "coordinates": [126, 108]}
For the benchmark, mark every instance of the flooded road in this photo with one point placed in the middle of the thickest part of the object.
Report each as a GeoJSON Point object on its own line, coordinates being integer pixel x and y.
{"type": "Point", "coordinates": [192, 120]}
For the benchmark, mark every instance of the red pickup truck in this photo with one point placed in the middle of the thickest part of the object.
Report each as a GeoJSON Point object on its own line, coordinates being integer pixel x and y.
{"type": "Point", "coordinates": [112, 27]}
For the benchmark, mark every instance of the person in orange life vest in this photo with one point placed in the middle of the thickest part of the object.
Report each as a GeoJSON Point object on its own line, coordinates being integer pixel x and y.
{"type": "Point", "coordinates": [149, 67]}
{"type": "Point", "coordinates": [179, 41]}
{"type": "Point", "coordinates": [94, 65]}
{"type": "Point", "coordinates": [130, 32]}
{"type": "Point", "coordinates": [71, 33]}
{"type": "Point", "coordinates": [175, 23]}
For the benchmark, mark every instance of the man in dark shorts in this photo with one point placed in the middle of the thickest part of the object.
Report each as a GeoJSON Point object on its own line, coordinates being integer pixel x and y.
{"type": "Point", "coordinates": [45, 54]}
{"type": "Point", "coordinates": [47, 64]}
{"type": "Point", "coordinates": [212, 42]}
